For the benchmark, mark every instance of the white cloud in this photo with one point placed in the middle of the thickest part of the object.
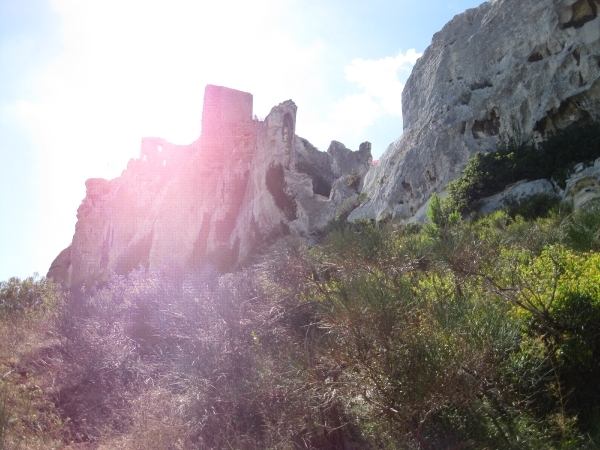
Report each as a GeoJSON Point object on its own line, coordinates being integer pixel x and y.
{"type": "Point", "coordinates": [348, 117]}
{"type": "Point", "coordinates": [380, 80]}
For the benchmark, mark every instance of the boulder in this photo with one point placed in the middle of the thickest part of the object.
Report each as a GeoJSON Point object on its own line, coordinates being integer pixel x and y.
{"type": "Point", "coordinates": [517, 192]}
{"type": "Point", "coordinates": [583, 187]}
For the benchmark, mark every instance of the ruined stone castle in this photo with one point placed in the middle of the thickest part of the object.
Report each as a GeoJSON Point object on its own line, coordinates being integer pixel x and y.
{"type": "Point", "coordinates": [214, 201]}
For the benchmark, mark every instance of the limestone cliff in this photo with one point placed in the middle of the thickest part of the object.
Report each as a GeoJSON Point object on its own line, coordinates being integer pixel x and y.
{"type": "Point", "coordinates": [508, 67]}
{"type": "Point", "coordinates": [213, 201]}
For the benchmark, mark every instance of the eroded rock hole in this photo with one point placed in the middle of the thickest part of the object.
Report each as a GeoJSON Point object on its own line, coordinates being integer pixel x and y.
{"type": "Point", "coordinates": [321, 187]}
{"type": "Point", "coordinates": [566, 115]}
{"type": "Point", "coordinates": [320, 184]}
{"type": "Point", "coordinates": [481, 85]}
{"type": "Point", "coordinates": [582, 12]}
{"type": "Point", "coordinates": [276, 185]}
{"type": "Point", "coordinates": [486, 127]}
{"type": "Point", "coordinates": [537, 56]}
{"type": "Point", "coordinates": [465, 98]}
{"type": "Point", "coordinates": [539, 53]}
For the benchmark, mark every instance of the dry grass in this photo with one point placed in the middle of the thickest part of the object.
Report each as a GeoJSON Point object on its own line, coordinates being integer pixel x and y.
{"type": "Point", "coordinates": [28, 416]}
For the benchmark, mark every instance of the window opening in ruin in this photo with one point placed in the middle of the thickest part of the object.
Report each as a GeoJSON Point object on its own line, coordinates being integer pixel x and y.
{"type": "Point", "coordinates": [159, 148]}
{"type": "Point", "coordinates": [144, 158]}
{"type": "Point", "coordinates": [164, 162]}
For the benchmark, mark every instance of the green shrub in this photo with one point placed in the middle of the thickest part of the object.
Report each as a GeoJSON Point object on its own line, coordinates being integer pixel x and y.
{"type": "Point", "coordinates": [28, 416]}
{"type": "Point", "coordinates": [487, 174]}
{"type": "Point", "coordinates": [583, 230]}
{"type": "Point", "coordinates": [441, 213]}
{"type": "Point", "coordinates": [31, 296]}
{"type": "Point", "coordinates": [556, 295]}
{"type": "Point", "coordinates": [540, 205]}
{"type": "Point", "coordinates": [455, 334]}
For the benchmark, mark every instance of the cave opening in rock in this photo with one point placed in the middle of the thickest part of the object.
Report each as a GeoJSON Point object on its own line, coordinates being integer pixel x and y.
{"type": "Point", "coordinates": [276, 185]}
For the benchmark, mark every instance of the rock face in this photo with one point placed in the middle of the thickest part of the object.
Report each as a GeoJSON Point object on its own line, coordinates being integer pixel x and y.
{"type": "Point", "coordinates": [213, 201]}
{"type": "Point", "coordinates": [583, 187]}
{"type": "Point", "coordinates": [506, 68]}
{"type": "Point", "coordinates": [293, 187]}
{"type": "Point", "coordinates": [518, 192]}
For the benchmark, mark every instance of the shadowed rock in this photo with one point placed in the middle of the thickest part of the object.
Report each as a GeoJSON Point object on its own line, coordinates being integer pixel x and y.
{"type": "Point", "coordinates": [213, 201]}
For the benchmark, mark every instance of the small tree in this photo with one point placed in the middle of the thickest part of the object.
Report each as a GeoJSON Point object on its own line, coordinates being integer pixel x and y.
{"type": "Point", "coordinates": [441, 213]}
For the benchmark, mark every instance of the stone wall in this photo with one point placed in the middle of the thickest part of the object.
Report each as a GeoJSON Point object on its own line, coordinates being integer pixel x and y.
{"type": "Point", "coordinates": [224, 106]}
{"type": "Point", "coordinates": [224, 109]}
{"type": "Point", "coordinates": [159, 152]}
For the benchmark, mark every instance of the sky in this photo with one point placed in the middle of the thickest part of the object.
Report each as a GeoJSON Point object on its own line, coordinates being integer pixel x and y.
{"type": "Point", "coordinates": [82, 81]}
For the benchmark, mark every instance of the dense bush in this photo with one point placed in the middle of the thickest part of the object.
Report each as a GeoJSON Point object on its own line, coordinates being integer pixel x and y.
{"type": "Point", "coordinates": [514, 160]}
{"type": "Point", "coordinates": [31, 296]}
{"type": "Point", "coordinates": [457, 334]}
{"type": "Point", "coordinates": [28, 416]}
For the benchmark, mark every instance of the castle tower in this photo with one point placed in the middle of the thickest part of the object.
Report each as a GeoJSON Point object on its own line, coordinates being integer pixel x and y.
{"type": "Point", "coordinates": [223, 111]}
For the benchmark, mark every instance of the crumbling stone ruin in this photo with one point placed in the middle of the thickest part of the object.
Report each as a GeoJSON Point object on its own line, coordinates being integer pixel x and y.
{"type": "Point", "coordinates": [214, 201]}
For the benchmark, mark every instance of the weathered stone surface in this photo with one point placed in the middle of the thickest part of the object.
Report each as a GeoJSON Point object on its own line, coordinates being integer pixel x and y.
{"type": "Point", "coordinates": [213, 201]}
{"type": "Point", "coordinates": [583, 187]}
{"type": "Point", "coordinates": [293, 187]}
{"type": "Point", "coordinates": [530, 66]}
{"type": "Point", "coordinates": [59, 270]}
{"type": "Point", "coordinates": [517, 192]}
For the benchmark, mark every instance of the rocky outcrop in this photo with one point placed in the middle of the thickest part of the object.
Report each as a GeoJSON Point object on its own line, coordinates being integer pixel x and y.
{"type": "Point", "coordinates": [518, 193]}
{"type": "Point", "coordinates": [583, 187]}
{"type": "Point", "coordinates": [213, 201]}
{"type": "Point", "coordinates": [507, 67]}
{"type": "Point", "coordinates": [293, 187]}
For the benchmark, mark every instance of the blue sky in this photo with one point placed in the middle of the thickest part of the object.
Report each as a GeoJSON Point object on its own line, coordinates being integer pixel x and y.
{"type": "Point", "coordinates": [82, 81]}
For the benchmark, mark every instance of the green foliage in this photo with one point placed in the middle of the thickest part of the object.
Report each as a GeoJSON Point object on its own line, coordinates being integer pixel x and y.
{"type": "Point", "coordinates": [441, 213]}
{"type": "Point", "coordinates": [344, 210]}
{"type": "Point", "coordinates": [455, 334]}
{"type": "Point", "coordinates": [489, 173]}
{"type": "Point", "coordinates": [568, 147]}
{"type": "Point", "coordinates": [556, 296]}
{"type": "Point", "coordinates": [28, 416]}
{"type": "Point", "coordinates": [583, 229]}
{"type": "Point", "coordinates": [353, 180]}
{"type": "Point", "coordinates": [31, 296]}
{"type": "Point", "coordinates": [540, 205]}
{"type": "Point", "coordinates": [513, 160]}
